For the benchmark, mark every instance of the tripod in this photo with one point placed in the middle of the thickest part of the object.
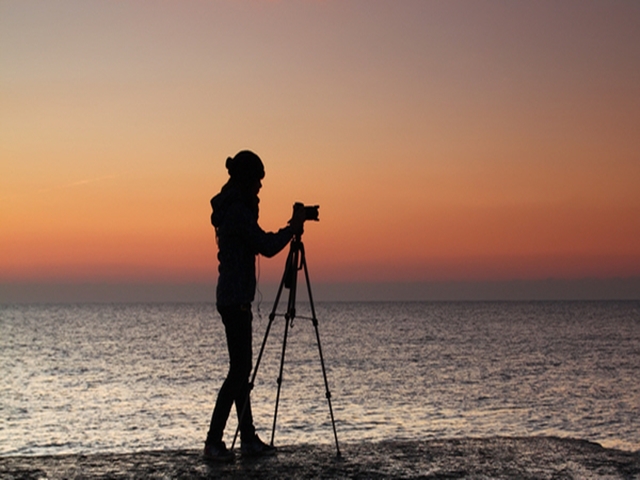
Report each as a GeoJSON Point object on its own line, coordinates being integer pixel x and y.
{"type": "Point", "coordinates": [296, 261]}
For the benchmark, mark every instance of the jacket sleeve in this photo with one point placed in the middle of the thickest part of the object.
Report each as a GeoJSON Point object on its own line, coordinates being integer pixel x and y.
{"type": "Point", "coordinates": [271, 243]}
{"type": "Point", "coordinates": [261, 242]}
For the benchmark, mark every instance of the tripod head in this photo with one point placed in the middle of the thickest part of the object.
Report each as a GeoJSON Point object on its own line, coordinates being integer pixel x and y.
{"type": "Point", "coordinates": [293, 263]}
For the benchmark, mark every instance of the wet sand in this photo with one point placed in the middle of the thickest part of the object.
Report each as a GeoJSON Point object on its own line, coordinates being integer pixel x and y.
{"type": "Point", "coordinates": [493, 458]}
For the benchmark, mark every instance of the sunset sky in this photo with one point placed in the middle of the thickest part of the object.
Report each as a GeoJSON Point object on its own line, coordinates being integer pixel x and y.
{"type": "Point", "coordinates": [445, 141]}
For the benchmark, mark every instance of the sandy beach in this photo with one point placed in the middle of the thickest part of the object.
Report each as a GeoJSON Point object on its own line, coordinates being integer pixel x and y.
{"type": "Point", "coordinates": [493, 458]}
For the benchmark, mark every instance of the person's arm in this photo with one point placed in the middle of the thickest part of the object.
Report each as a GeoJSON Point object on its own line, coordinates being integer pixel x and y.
{"type": "Point", "coordinates": [260, 242]}
{"type": "Point", "coordinates": [269, 244]}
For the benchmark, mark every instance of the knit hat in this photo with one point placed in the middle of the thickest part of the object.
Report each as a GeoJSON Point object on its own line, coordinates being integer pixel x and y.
{"type": "Point", "coordinates": [245, 167]}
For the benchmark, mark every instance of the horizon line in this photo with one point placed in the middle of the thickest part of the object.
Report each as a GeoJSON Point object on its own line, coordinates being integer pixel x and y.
{"type": "Point", "coordinates": [550, 289]}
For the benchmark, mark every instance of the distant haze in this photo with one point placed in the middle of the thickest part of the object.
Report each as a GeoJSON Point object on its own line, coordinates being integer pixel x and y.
{"type": "Point", "coordinates": [517, 290]}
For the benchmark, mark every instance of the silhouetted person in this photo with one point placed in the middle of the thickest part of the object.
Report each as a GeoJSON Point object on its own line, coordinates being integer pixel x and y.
{"type": "Point", "coordinates": [240, 239]}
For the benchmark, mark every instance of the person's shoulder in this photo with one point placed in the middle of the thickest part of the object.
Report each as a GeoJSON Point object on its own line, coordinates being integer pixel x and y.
{"type": "Point", "coordinates": [239, 213]}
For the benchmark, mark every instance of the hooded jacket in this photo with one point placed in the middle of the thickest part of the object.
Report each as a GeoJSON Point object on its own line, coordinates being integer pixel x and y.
{"type": "Point", "coordinates": [240, 239]}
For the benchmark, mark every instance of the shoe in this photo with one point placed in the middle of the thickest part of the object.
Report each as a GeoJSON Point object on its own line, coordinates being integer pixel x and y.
{"type": "Point", "coordinates": [256, 448]}
{"type": "Point", "coordinates": [218, 452]}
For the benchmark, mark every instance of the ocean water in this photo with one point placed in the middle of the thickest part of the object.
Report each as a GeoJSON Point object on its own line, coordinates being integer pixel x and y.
{"type": "Point", "coordinates": [123, 378]}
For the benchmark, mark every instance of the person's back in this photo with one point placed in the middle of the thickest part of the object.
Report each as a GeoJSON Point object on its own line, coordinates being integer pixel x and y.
{"type": "Point", "coordinates": [232, 220]}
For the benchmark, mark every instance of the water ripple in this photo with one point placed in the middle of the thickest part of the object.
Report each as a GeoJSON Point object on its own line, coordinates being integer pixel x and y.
{"type": "Point", "coordinates": [83, 378]}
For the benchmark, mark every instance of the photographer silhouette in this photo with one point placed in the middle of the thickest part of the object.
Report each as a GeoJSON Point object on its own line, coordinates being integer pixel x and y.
{"type": "Point", "coordinates": [240, 239]}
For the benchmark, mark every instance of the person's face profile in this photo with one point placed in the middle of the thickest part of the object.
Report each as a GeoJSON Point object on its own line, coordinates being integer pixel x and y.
{"type": "Point", "coordinates": [257, 185]}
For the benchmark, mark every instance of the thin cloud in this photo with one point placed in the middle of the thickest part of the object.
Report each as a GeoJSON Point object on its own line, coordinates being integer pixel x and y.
{"type": "Point", "coordinates": [78, 183]}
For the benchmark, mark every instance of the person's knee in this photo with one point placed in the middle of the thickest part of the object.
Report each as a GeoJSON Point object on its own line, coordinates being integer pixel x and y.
{"type": "Point", "coordinates": [240, 372]}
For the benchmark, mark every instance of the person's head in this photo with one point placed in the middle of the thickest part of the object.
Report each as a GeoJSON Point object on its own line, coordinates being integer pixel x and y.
{"type": "Point", "coordinates": [246, 171]}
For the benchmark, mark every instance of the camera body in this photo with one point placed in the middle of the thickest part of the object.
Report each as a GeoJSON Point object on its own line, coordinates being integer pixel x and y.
{"type": "Point", "coordinates": [310, 211]}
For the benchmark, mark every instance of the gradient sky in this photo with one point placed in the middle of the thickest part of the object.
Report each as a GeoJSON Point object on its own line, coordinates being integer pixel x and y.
{"type": "Point", "coordinates": [443, 140]}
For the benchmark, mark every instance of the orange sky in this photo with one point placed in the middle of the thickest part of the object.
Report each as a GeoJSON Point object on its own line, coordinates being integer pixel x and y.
{"type": "Point", "coordinates": [443, 140]}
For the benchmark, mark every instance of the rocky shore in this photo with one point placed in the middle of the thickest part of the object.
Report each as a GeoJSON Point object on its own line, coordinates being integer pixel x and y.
{"type": "Point", "coordinates": [493, 458]}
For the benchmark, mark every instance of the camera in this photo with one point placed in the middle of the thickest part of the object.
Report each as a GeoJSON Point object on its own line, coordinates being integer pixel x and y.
{"type": "Point", "coordinates": [310, 212]}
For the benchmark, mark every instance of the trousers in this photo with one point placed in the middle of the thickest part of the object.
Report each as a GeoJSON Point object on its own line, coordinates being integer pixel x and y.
{"type": "Point", "coordinates": [235, 388]}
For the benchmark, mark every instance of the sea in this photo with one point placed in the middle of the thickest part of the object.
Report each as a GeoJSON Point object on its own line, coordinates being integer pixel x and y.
{"type": "Point", "coordinates": [99, 378]}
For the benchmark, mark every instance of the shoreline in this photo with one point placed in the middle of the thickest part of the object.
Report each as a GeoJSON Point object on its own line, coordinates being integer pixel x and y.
{"type": "Point", "coordinates": [498, 457]}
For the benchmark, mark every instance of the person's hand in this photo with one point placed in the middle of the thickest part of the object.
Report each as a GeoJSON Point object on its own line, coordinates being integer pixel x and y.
{"type": "Point", "coordinates": [297, 220]}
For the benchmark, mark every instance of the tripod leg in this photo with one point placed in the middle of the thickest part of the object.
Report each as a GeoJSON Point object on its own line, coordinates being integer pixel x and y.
{"type": "Point", "coordinates": [326, 385]}
{"type": "Point", "coordinates": [284, 348]}
{"type": "Point", "coordinates": [324, 371]}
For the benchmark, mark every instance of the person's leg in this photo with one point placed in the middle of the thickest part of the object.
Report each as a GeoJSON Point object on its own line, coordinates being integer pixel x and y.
{"type": "Point", "coordinates": [235, 389]}
{"type": "Point", "coordinates": [241, 366]}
